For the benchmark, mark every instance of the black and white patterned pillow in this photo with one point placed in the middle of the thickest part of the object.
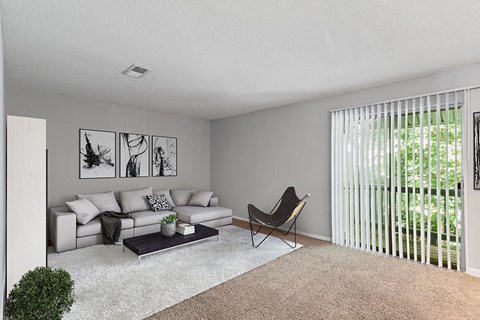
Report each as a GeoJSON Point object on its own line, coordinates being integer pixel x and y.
{"type": "Point", "coordinates": [159, 202]}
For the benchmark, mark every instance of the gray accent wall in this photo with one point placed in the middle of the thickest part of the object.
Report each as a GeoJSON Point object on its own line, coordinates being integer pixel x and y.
{"type": "Point", "coordinates": [255, 156]}
{"type": "Point", "coordinates": [66, 115]}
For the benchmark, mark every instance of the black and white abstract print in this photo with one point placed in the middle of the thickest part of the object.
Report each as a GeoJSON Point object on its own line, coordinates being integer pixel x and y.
{"type": "Point", "coordinates": [476, 150]}
{"type": "Point", "coordinates": [134, 155]}
{"type": "Point", "coordinates": [164, 156]}
{"type": "Point", "coordinates": [97, 154]}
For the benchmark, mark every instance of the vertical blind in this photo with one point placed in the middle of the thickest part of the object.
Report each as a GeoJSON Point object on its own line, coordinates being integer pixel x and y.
{"type": "Point", "coordinates": [396, 178]}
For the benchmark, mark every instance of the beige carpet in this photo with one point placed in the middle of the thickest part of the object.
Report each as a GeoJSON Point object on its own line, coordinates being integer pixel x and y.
{"type": "Point", "coordinates": [323, 281]}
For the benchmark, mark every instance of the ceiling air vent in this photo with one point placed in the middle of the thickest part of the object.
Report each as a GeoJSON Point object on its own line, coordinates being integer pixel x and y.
{"type": "Point", "coordinates": [136, 71]}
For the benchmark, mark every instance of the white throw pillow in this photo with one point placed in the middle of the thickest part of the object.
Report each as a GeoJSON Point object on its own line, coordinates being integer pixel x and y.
{"type": "Point", "coordinates": [84, 210]}
{"type": "Point", "coordinates": [166, 192]}
{"type": "Point", "coordinates": [201, 198]}
{"type": "Point", "coordinates": [104, 201]}
{"type": "Point", "coordinates": [135, 200]}
{"type": "Point", "coordinates": [182, 197]}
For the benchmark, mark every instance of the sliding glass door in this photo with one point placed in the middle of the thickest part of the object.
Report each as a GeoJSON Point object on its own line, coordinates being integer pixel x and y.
{"type": "Point", "coordinates": [429, 188]}
{"type": "Point", "coordinates": [396, 178]}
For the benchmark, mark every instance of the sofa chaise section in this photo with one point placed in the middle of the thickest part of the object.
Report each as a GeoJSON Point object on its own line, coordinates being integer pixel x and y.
{"type": "Point", "coordinates": [208, 216]}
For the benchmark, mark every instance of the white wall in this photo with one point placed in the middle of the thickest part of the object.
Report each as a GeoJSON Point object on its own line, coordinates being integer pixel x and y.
{"type": "Point", "coordinates": [3, 178]}
{"type": "Point", "coordinates": [66, 115]}
{"type": "Point", "coordinates": [256, 156]}
{"type": "Point", "coordinates": [472, 197]}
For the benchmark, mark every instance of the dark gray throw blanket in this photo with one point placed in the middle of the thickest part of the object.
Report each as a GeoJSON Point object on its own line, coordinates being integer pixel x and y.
{"type": "Point", "coordinates": [112, 225]}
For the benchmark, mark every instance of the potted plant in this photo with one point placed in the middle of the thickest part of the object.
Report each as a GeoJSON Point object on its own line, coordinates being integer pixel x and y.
{"type": "Point", "coordinates": [43, 293]}
{"type": "Point", "coordinates": [169, 225]}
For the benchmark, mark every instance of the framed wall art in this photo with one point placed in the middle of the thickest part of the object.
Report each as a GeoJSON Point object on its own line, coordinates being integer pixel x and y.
{"type": "Point", "coordinates": [97, 154]}
{"type": "Point", "coordinates": [476, 150]}
{"type": "Point", "coordinates": [164, 156]}
{"type": "Point", "coordinates": [134, 149]}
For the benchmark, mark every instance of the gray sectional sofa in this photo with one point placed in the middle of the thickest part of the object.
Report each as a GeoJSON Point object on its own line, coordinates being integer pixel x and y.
{"type": "Point", "coordinates": [66, 234]}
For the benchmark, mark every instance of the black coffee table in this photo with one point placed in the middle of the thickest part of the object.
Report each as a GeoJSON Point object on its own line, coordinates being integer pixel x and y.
{"type": "Point", "coordinates": [155, 242]}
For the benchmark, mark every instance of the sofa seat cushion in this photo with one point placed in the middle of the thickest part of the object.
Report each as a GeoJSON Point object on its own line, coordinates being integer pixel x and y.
{"type": "Point", "coordinates": [95, 227]}
{"type": "Point", "coordinates": [145, 218]}
{"type": "Point", "coordinates": [194, 215]}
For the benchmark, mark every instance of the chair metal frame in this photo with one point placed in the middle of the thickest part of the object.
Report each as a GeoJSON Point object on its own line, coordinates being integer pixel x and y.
{"type": "Point", "coordinates": [275, 226]}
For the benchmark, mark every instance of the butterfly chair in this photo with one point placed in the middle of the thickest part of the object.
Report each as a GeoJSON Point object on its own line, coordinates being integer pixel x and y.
{"type": "Point", "coordinates": [288, 208]}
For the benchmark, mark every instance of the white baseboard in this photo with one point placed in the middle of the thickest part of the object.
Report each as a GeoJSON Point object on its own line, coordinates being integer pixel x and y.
{"type": "Point", "coordinates": [473, 271]}
{"type": "Point", "coordinates": [310, 235]}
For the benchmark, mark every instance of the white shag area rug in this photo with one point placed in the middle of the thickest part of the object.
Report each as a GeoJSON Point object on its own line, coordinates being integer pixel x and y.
{"type": "Point", "coordinates": [111, 284]}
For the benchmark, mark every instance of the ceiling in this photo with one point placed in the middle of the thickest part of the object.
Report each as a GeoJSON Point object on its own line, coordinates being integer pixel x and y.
{"type": "Point", "coordinates": [218, 58]}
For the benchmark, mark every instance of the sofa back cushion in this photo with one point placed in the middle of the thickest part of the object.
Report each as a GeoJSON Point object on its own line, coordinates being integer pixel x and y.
{"type": "Point", "coordinates": [181, 197]}
{"type": "Point", "coordinates": [200, 198]}
{"type": "Point", "coordinates": [135, 200]}
{"type": "Point", "coordinates": [167, 195]}
{"type": "Point", "coordinates": [84, 210]}
{"type": "Point", "coordinates": [104, 201]}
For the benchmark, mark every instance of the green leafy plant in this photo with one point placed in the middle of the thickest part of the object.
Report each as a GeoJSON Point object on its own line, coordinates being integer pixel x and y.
{"type": "Point", "coordinates": [43, 293]}
{"type": "Point", "coordinates": [170, 219]}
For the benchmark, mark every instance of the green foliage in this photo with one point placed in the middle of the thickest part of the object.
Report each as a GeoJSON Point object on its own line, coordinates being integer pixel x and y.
{"type": "Point", "coordinates": [41, 294]}
{"type": "Point", "coordinates": [170, 219]}
{"type": "Point", "coordinates": [414, 145]}
{"type": "Point", "coordinates": [445, 180]}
